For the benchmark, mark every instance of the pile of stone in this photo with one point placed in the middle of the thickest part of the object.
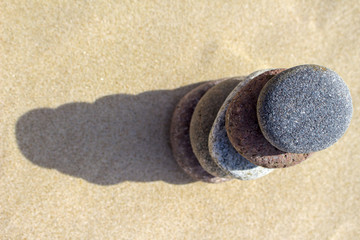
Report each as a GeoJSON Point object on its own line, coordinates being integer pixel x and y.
{"type": "Point", "coordinates": [245, 127]}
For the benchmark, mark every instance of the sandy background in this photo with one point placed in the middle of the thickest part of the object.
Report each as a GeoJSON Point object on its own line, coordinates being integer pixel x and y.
{"type": "Point", "coordinates": [86, 94]}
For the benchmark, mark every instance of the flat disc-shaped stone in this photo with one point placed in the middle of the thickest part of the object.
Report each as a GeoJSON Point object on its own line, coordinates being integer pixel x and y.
{"type": "Point", "coordinates": [244, 132]}
{"type": "Point", "coordinates": [221, 150]}
{"type": "Point", "coordinates": [202, 121]}
{"type": "Point", "coordinates": [304, 109]}
{"type": "Point", "coordinates": [180, 138]}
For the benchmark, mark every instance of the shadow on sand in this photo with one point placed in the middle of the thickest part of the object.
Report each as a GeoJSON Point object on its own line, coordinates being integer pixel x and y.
{"type": "Point", "coordinates": [117, 138]}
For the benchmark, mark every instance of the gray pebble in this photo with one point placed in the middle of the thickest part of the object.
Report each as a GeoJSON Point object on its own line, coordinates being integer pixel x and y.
{"type": "Point", "coordinates": [221, 150]}
{"type": "Point", "coordinates": [304, 109]}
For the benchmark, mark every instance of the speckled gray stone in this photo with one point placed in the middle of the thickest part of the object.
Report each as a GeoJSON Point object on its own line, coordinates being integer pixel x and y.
{"type": "Point", "coordinates": [304, 109]}
{"type": "Point", "coordinates": [202, 121]}
{"type": "Point", "coordinates": [221, 150]}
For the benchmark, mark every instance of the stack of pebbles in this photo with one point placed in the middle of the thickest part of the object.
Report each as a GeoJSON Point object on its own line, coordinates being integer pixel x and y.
{"type": "Point", "coordinates": [245, 127]}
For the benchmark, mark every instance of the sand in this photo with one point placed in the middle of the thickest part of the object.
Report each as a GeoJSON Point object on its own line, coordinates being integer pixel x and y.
{"type": "Point", "coordinates": [87, 91]}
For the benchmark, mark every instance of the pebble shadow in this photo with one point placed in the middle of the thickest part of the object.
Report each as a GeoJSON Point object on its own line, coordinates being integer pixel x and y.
{"type": "Point", "coordinates": [117, 138]}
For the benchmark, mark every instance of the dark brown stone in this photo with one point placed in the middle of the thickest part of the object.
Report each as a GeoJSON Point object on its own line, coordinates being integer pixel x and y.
{"type": "Point", "coordinates": [180, 137]}
{"type": "Point", "coordinates": [244, 132]}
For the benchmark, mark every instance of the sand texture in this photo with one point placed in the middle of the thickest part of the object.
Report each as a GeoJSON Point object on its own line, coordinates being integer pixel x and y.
{"type": "Point", "coordinates": [87, 91]}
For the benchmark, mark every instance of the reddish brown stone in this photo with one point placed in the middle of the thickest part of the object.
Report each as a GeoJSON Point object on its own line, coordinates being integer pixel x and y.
{"type": "Point", "coordinates": [180, 138]}
{"type": "Point", "coordinates": [244, 132]}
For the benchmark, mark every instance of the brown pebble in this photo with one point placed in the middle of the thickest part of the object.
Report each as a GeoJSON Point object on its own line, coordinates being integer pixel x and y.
{"type": "Point", "coordinates": [180, 136]}
{"type": "Point", "coordinates": [244, 132]}
{"type": "Point", "coordinates": [202, 120]}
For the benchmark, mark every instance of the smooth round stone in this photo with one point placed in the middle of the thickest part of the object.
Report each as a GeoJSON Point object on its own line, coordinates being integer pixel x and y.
{"type": "Point", "coordinates": [180, 138]}
{"type": "Point", "coordinates": [202, 121]}
{"type": "Point", "coordinates": [304, 109]}
{"type": "Point", "coordinates": [221, 150]}
{"type": "Point", "coordinates": [244, 132]}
